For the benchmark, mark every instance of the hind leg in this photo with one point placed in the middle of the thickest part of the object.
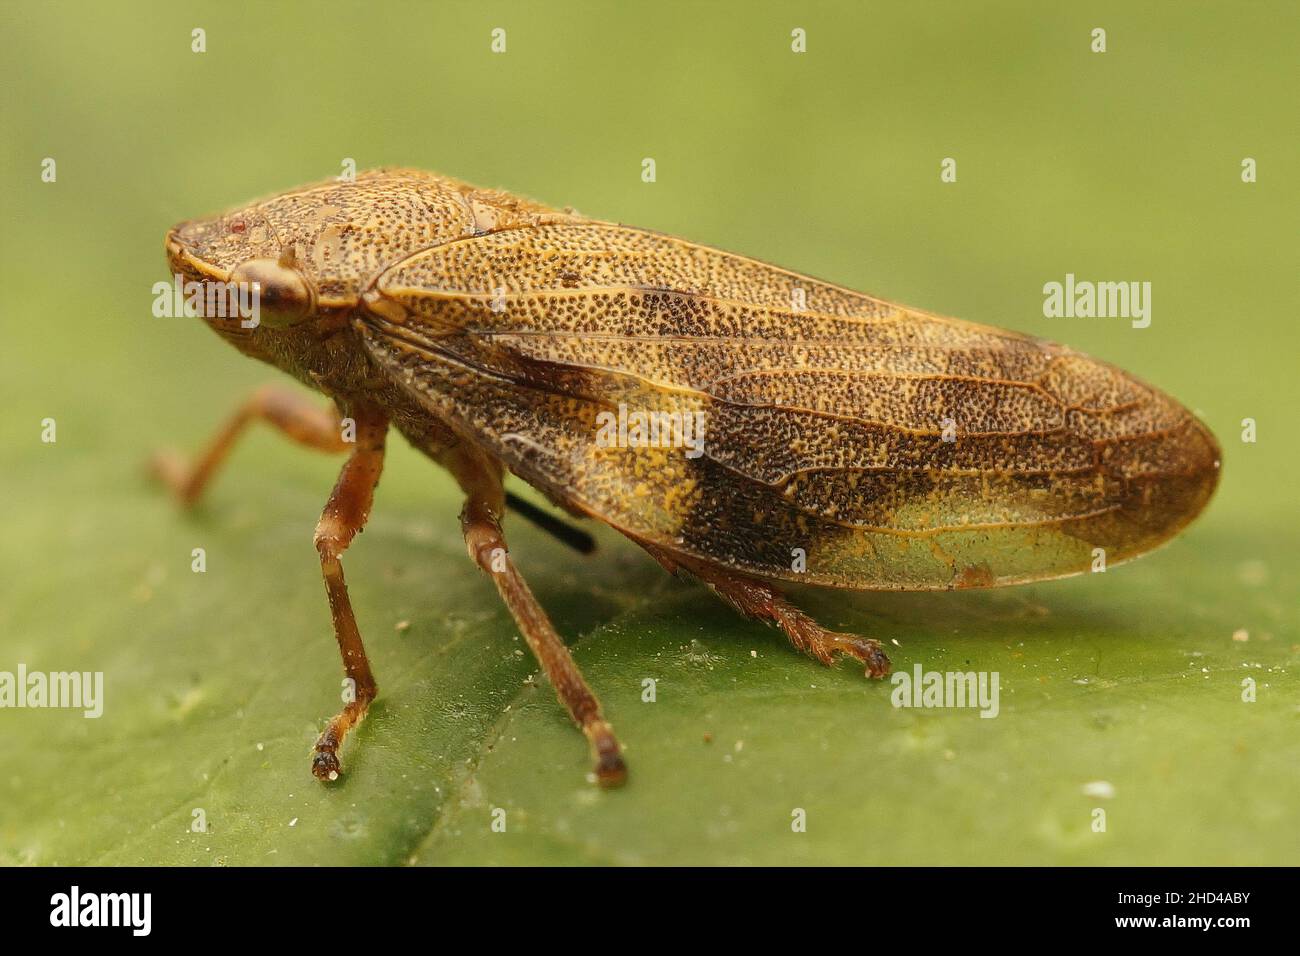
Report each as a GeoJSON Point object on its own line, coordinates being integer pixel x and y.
{"type": "Point", "coordinates": [761, 601]}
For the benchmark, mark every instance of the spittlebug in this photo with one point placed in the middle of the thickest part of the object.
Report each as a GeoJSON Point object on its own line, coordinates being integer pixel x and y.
{"type": "Point", "coordinates": [742, 423]}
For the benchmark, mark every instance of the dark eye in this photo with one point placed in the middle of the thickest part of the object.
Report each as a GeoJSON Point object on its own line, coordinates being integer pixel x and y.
{"type": "Point", "coordinates": [284, 297]}
{"type": "Point", "coordinates": [238, 225]}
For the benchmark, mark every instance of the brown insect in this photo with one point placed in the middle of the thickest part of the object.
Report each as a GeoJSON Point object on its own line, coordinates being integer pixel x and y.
{"type": "Point", "coordinates": [742, 423]}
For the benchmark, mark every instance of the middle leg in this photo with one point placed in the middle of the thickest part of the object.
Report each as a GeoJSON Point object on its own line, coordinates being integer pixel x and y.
{"type": "Point", "coordinates": [481, 523]}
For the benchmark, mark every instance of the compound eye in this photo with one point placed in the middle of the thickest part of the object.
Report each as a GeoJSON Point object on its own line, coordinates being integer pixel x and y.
{"type": "Point", "coordinates": [283, 297]}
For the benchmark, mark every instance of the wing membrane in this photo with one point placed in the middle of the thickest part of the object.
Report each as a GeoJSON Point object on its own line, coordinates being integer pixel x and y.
{"type": "Point", "coordinates": [874, 445]}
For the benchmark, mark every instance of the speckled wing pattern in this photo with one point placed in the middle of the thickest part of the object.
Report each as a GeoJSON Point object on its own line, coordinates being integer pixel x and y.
{"type": "Point", "coordinates": [848, 441]}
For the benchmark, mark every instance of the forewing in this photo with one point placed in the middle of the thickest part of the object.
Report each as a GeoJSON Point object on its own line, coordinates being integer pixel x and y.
{"type": "Point", "coordinates": [846, 440]}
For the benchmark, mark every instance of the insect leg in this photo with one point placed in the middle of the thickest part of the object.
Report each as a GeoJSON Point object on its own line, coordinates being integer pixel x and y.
{"type": "Point", "coordinates": [481, 524]}
{"type": "Point", "coordinates": [762, 602]}
{"type": "Point", "coordinates": [290, 412]}
{"type": "Point", "coordinates": [343, 518]}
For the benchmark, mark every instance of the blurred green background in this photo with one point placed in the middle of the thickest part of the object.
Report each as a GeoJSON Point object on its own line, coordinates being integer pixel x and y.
{"type": "Point", "coordinates": [1117, 166]}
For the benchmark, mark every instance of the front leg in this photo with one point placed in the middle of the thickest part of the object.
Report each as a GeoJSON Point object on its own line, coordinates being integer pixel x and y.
{"type": "Point", "coordinates": [344, 517]}
{"type": "Point", "coordinates": [290, 412]}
